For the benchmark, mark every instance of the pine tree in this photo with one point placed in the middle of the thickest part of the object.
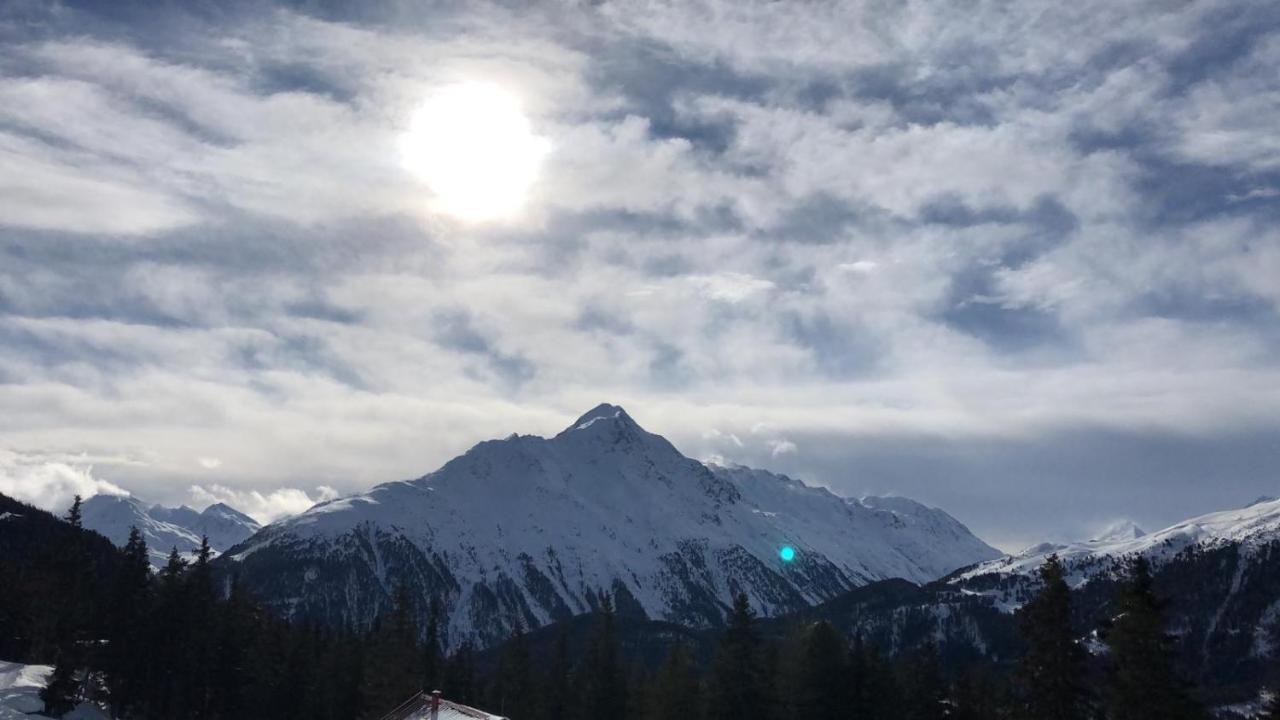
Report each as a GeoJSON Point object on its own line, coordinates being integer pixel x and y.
{"type": "Point", "coordinates": [129, 614]}
{"type": "Point", "coordinates": [393, 672]}
{"type": "Point", "coordinates": [1052, 669]}
{"type": "Point", "coordinates": [514, 692]}
{"type": "Point", "coordinates": [601, 683]}
{"type": "Point", "coordinates": [857, 668]}
{"type": "Point", "coordinates": [676, 693]}
{"type": "Point", "coordinates": [554, 699]}
{"type": "Point", "coordinates": [976, 695]}
{"type": "Point", "coordinates": [74, 514]}
{"type": "Point", "coordinates": [923, 689]}
{"type": "Point", "coordinates": [199, 612]}
{"type": "Point", "coordinates": [737, 684]}
{"type": "Point", "coordinates": [238, 633]}
{"type": "Point", "coordinates": [171, 671]}
{"type": "Point", "coordinates": [822, 689]}
{"type": "Point", "coordinates": [1143, 684]}
{"type": "Point", "coordinates": [431, 657]}
{"type": "Point", "coordinates": [72, 586]}
{"type": "Point", "coordinates": [883, 690]}
{"type": "Point", "coordinates": [460, 675]}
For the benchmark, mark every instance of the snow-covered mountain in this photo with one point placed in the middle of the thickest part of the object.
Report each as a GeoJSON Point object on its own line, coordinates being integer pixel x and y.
{"type": "Point", "coordinates": [1250, 527]}
{"type": "Point", "coordinates": [531, 529]}
{"type": "Point", "coordinates": [166, 528]}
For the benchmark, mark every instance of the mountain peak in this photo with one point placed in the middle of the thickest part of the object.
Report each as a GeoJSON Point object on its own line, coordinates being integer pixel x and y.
{"type": "Point", "coordinates": [1121, 531]}
{"type": "Point", "coordinates": [602, 412]}
{"type": "Point", "coordinates": [223, 510]}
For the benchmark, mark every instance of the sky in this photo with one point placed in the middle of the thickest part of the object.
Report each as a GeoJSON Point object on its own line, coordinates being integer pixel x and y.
{"type": "Point", "coordinates": [1020, 261]}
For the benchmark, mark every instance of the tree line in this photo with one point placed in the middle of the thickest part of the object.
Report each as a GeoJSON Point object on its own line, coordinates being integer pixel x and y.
{"type": "Point", "coordinates": [174, 643]}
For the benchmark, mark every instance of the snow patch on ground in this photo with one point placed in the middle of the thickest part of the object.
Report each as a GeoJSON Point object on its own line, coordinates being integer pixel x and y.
{"type": "Point", "coordinates": [20, 687]}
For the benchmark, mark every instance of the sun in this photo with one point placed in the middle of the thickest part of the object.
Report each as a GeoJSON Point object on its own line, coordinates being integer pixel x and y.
{"type": "Point", "coordinates": [474, 147]}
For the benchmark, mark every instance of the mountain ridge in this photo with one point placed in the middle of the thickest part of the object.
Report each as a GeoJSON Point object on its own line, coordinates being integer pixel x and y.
{"type": "Point", "coordinates": [1252, 526]}
{"type": "Point", "coordinates": [529, 530]}
{"type": "Point", "coordinates": [166, 528]}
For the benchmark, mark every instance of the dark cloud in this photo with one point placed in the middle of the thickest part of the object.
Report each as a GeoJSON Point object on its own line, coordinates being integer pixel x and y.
{"type": "Point", "coordinates": [455, 330]}
{"type": "Point", "coordinates": [1229, 33]}
{"type": "Point", "coordinates": [653, 80]}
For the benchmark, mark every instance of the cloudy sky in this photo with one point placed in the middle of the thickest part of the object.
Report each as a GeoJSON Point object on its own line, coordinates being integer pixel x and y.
{"type": "Point", "coordinates": [1020, 261]}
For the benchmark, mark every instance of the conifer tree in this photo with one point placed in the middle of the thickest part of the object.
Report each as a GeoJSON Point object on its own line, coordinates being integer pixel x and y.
{"type": "Point", "coordinates": [393, 672]}
{"type": "Point", "coordinates": [460, 675]}
{"type": "Point", "coordinates": [976, 695]}
{"type": "Point", "coordinates": [514, 691]}
{"type": "Point", "coordinates": [676, 693]}
{"type": "Point", "coordinates": [431, 658]}
{"type": "Point", "coordinates": [554, 699]}
{"type": "Point", "coordinates": [74, 514]}
{"type": "Point", "coordinates": [601, 682]}
{"type": "Point", "coordinates": [170, 638]}
{"type": "Point", "coordinates": [129, 613]}
{"type": "Point", "coordinates": [71, 598]}
{"type": "Point", "coordinates": [924, 692]}
{"type": "Point", "coordinates": [1143, 684]}
{"type": "Point", "coordinates": [822, 689]}
{"type": "Point", "coordinates": [858, 673]}
{"type": "Point", "coordinates": [199, 612]}
{"type": "Point", "coordinates": [1052, 668]}
{"type": "Point", "coordinates": [238, 633]}
{"type": "Point", "coordinates": [883, 688]}
{"type": "Point", "coordinates": [737, 682]}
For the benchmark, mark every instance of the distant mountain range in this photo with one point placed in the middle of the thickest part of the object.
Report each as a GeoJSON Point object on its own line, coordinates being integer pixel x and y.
{"type": "Point", "coordinates": [527, 530]}
{"type": "Point", "coordinates": [1250, 528]}
{"type": "Point", "coordinates": [165, 528]}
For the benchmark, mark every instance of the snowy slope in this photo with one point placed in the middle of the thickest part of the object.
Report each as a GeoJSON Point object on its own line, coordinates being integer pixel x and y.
{"type": "Point", "coordinates": [531, 529]}
{"type": "Point", "coordinates": [224, 525]}
{"type": "Point", "coordinates": [20, 687]}
{"type": "Point", "coordinates": [1250, 527]}
{"type": "Point", "coordinates": [166, 528]}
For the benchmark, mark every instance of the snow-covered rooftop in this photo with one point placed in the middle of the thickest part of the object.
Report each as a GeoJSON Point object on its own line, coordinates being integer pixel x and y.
{"type": "Point", "coordinates": [419, 708]}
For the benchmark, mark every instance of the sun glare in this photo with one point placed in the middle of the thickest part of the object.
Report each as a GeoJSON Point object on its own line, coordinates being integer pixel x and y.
{"type": "Point", "coordinates": [473, 146]}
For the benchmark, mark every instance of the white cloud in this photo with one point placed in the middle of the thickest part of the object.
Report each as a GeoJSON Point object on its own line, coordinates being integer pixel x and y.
{"type": "Point", "coordinates": [264, 507]}
{"type": "Point", "coordinates": [50, 482]}
{"type": "Point", "coordinates": [781, 447]}
{"type": "Point", "coordinates": [731, 287]}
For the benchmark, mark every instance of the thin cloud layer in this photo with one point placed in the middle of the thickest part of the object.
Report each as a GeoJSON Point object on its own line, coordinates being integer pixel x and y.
{"type": "Point", "coordinates": [929, 248]}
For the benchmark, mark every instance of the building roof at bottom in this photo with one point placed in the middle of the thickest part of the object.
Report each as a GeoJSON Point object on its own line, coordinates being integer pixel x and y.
{"type": "Point", "coordinates": [419, 708]}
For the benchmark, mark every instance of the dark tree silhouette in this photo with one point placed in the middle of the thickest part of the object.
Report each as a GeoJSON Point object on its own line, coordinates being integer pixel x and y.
{"type": "Point", "coordinates": [1052, 670]}
{"type": "Point", "coordinates": [1143, 684]}
{"type": "Point", "coordinates": [601, 685]}
{"type": "Point", "coordinates": [737, 685]}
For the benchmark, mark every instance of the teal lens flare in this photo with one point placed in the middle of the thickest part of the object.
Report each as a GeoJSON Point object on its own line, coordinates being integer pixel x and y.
{"type": "Point", "coordinates": [787, 553]}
